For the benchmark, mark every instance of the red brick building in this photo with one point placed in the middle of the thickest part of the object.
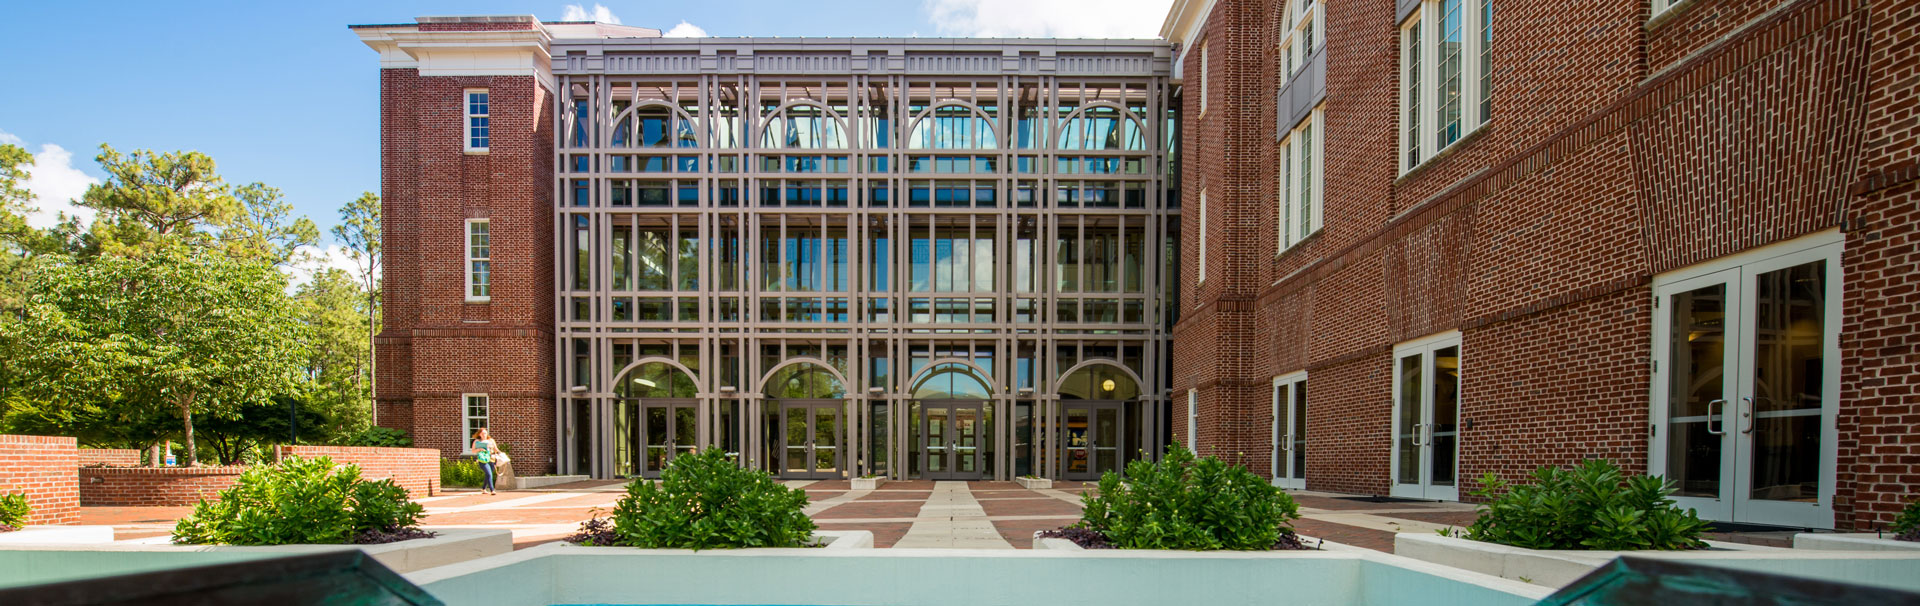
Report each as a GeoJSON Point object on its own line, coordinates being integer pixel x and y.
{"type": "Point", "coordinates": [1491, 235]}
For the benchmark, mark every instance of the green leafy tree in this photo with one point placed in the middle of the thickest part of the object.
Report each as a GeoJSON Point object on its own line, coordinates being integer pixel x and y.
{"type": "Point", "coordinates": [258, 424]}
{"type": "Point", "coordinates": [330, 304]}
{"type": "Point", "coordinates": [265, 229]}
{"type": "Point", "coordinates": [359, 232]}
{"type": "Point", "coordinates": [151, 199]}
{"type": "Point", "coordinates": [194, 331]}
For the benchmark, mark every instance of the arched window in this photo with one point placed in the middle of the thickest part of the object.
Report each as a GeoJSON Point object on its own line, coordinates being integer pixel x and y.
{"type": "Point", "coordinates": [654, 380]}
{"type": "Point", "coordinates": [1102, 127]}
{"type": "Point", "coordinates": [953, 127]}
{"type": "Point", "coordinates": [952, 381]}
{"type": "Point", "coordinates": [803, 381]}
{"type": "Point", "coordinates": [651, 124]}
{"type": "Point", "coordinates": [804, 126]}
{"type": "Point", "coordinates": [1099, 382]}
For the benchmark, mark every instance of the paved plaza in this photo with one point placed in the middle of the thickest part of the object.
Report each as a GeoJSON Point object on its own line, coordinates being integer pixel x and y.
{"type": "Point", "coordinates": [912, 514]}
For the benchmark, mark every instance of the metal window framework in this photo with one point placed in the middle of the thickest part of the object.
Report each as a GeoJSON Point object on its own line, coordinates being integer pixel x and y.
{"type": "Point", "coordinates": [733, 180]}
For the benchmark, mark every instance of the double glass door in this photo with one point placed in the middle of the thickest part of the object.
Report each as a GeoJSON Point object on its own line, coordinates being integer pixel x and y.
{"type": "Point", "coordinates": [1290, 431]}
{"type": "Point", "coordinates": [663, 429]}
{"type": "Point", "coordinates": [810, 439]}
{"type": "Point", "coordinates": [1746, 377]}
{"type": "Point", "coordinates": [1426, 417]}
{"type": "Point", "coordinates": [953, 439]}
{"type": "Point", "coordinates": [1095, 442]}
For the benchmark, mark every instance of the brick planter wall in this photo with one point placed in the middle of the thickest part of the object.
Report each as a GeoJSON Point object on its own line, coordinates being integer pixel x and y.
{"type": "Point", "coordinates": [154, 486]}
{"type": "Point", "coordinates": [111, 457]}
{"type": "Point", "coordinates": [42, 467]}
{"type": "Point", "coordinates": [415, 469]}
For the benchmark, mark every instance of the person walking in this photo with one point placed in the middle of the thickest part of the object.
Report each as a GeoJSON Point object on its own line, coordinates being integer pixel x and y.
{"type": "Point", "coordinates": [486, 451]}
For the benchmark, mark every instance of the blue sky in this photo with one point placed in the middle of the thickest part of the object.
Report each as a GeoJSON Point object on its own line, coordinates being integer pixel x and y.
{"type": "Point", "coordinates": [282, 93]}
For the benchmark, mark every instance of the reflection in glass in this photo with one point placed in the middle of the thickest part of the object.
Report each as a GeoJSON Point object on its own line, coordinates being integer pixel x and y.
{"type": "Point", "coordinates": [1446, 414]}
{"type": "Point", "coordinates": [1789, 379]}
{"type": "Point", "coordinates": [1405, 440]}
{"type": "Point", "coordinates": [1697, 340]}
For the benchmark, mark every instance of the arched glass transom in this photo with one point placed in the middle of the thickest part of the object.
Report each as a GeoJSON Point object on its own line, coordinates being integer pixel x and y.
{"type": "Point", "coordinates": [952, 127]}
{"type": "Point", "coordinates": [804, 126]}
{"type": "Point", "coordinates": [654, 380]}
{"type": "Point", "coordinates": [805, 380]}
{"type": "Point", "coordinates": [952, 380]}
{"type": "Point", "coordinates": [1099, 382]}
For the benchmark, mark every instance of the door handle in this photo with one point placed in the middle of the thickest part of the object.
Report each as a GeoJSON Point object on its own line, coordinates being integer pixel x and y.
{"type": "Point", "coordinates": [1286, 441]}
{"type": "Point", "coordinates": [1748, 415]}
{"type": "Point", "coordinates": [1723, 422]}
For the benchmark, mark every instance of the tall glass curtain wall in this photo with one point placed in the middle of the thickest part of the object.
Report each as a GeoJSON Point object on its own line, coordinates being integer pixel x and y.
{"type": "Point", "coordinates": [885, 274]}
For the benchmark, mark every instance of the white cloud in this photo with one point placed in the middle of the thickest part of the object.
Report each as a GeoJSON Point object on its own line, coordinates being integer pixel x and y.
{"type": "Point", "coordinates": [55, 184]}
{"type": "Point", "coordinates": [600, 13]}
{"type": "Point", "coordinates": [685, 30]}
{"type": "Point", "coordinates": [309, 260]}
{"type": "Point", "coordinates": [1047, 18]}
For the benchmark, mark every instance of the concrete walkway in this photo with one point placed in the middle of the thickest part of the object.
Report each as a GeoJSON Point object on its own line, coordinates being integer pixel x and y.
{"type": "Point", "coordinates": [952, 519]}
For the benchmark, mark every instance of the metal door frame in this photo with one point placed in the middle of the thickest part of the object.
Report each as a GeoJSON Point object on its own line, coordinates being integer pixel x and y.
{"type": "Point", "coordinates": [638, 429]}
{"type": "Point", "coordinates": [839, 435]}
{"type": "Point", "coordinates": [983, 433]}
{"type": "Point", "coordinates": [1093, 440]}
{"type": "Point", "coordinates": [1284, 474]}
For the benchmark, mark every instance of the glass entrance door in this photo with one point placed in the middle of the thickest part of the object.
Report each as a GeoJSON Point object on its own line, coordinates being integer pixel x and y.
{"type": "Point", "coordinates": [1426, 416]}
{"type": "Point", "coordinates": [953, 439]}
{"type": "Point", "coordinates": [1746, 360]}
{"type": "Point", "coordinates": [810, 439]}
{"type": "Point", "coordinates": [663, 429]}
{"type": "Point", "coordinates": [1095, 438]}
{"type": "Point", "coordinates": [1290, 431]}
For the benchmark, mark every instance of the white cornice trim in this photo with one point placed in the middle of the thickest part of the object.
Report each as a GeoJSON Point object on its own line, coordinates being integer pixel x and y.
{"type": "Point", "coordinates": [1185, 20]}
{"type": "Point", "coordinates": [484, 53]}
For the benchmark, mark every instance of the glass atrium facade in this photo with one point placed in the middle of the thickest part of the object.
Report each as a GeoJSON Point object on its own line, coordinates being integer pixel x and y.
{"type": "Point", "coordinates": [932, 259]}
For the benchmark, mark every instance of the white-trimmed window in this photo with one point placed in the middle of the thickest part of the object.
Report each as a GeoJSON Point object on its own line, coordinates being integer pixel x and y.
{"type": "Point", "coordinates": [1302, 34]}
{"type": "Point", "coordinates": [1204, 65]}
{"type": "Point", "coordinates": [1203, 235]}
{"type": "Point", "coordinates": [477, 107]}
{"type": "Point", "coordinates": [1299, 212]}
{"type": "Point", "coordinates": [474, 409]}
{"type": "Point", "coordinates": [479, 262]}
{"type": "Point", "coordinates": [1446, 84]}
{"type": "Point", "coordinates": [1193, 420]}
{"type": "Point", "coordinates": [1662, 6]}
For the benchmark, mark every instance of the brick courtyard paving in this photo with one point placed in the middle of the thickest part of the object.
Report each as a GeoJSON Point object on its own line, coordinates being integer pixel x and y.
{"type": "Point", "coordinates": [988, 515]}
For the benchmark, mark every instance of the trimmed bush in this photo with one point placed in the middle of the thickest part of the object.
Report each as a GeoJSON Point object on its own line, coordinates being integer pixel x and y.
{"type": "Point", "coordinates": [1907, 526]}
{"type": "Point", "coordinates": [379, 437]}
{"type": "Point", "coordinates": [302, 501]}
{"type": "Point", "coordinates": [461, 473]}
{"type": "Point", "coordinates": [14, 511]}
{"type": "Point", "coordinates": [1593, 506]}
{"type": "Point", "coordinates": [706, 501]}
{"type": "Point", "coordinates": [1186, 503]}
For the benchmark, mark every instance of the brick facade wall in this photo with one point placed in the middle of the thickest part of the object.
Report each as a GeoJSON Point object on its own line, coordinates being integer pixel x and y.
{"type": "Point", "coordinates": [109, 457]}
{"type": "Point", "coordinates": [1619, 149]}
{"type": "Point", "coordinates": [415, 469]}
{"type": "Point", "coordinates": [154, 486]}
{"type": "Point", "coordinates": [42, 468]}
{"type": "Point", "coordinates": [434, 346]}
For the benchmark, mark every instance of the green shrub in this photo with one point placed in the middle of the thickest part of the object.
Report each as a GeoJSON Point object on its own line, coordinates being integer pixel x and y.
{"type": "Point", "coordinates": [1592, 506]}
{"type": "Point", "coordinates": [1186, 503]}
{"type": "Point", "coordinates": [461, 472]}
{"type": "Point", "coordinates": [1907, 526]}
{"type": "Point", "coordinates": [14, 510]}
{"type": "Point", "coordinates": [384, 437]}
{"type": "Point", "coordinates": [298, 501]}
{"type": "Point", "coordinates": [705, 501]}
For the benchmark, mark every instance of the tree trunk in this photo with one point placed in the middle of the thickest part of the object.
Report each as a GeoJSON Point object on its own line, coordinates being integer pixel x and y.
{"type": "Point", "coordinates": [186, 417]}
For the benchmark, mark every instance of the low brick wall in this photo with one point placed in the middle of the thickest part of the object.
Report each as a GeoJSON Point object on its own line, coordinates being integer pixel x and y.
{"type": "Point", "coordinates": [154, 486]}
{"type": "Point", "coordinates": [415, 469]}
{"type": "Point", "coordinates": [110, 457]}
{"type": "Point", "coordinates": [42, 467]}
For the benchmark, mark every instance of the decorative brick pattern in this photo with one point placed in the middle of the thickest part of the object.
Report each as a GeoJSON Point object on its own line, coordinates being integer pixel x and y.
{"type": "Point", "coordinates": [415, 469]}
{"type": "Point", "coordinates": [1618, 150]}
{"type": "Point", "coordinates": [109, 457]}
{"type": "Point", "coordinates": [154, 486]}
{"type": "Point", "coordinates": [41, 467]}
